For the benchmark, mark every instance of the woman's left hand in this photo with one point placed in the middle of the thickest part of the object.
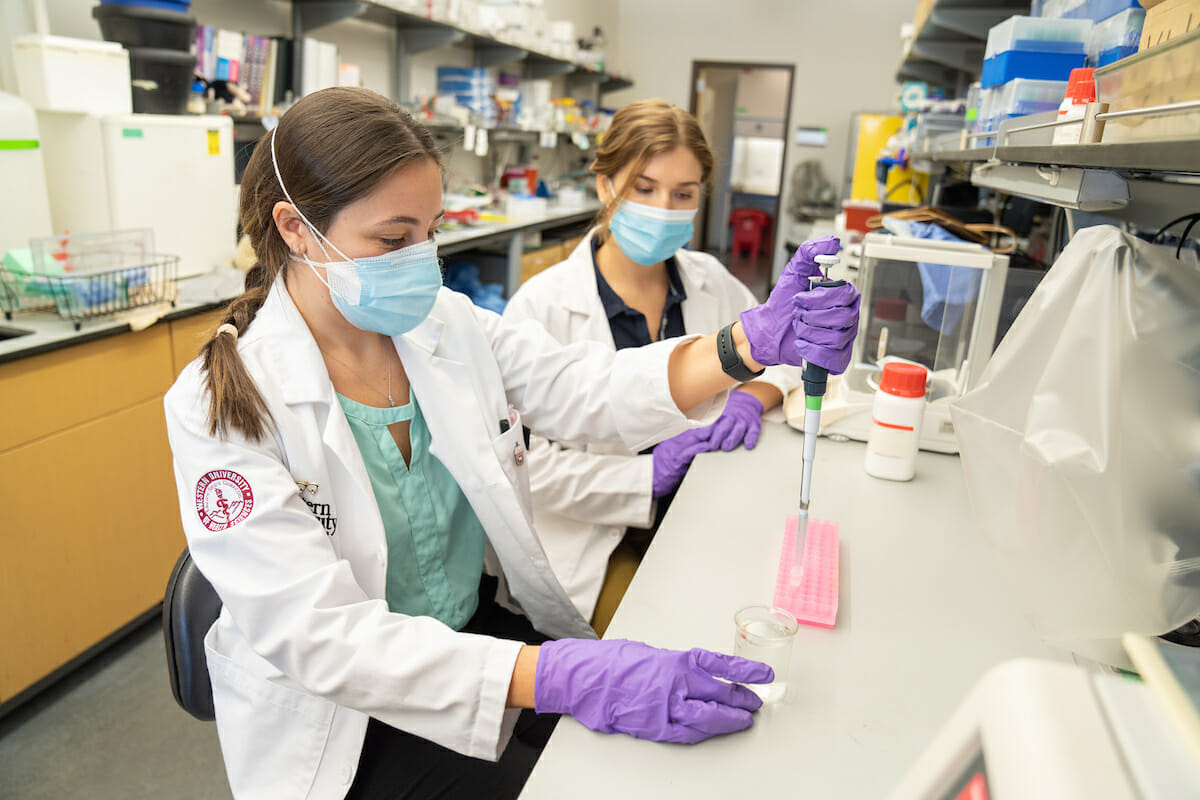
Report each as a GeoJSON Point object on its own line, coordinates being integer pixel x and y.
{"type": "Point", "coordinates": [739, 423]}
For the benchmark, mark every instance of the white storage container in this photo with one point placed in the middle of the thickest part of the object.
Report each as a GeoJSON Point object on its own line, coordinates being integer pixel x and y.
{"type": "Point", "coordinates": [170, 173]}
{"type": "Point", "coordinates": [24, 207]}
{"type": "Point", "coordinates": [56, 73]}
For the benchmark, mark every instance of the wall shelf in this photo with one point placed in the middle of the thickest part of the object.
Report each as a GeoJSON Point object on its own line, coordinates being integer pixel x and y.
{"type": "Point", "coordinates": [1181, 156]}
{"type": "Point", "coordinates": [416, 34]}
{"type": "Point", "coordinates": [947, 51]}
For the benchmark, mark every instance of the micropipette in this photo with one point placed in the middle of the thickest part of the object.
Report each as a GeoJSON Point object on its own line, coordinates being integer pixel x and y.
{"type": "Point", "coordinates": [815, 377]}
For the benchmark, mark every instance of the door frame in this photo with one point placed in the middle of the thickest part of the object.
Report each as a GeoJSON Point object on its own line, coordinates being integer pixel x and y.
{"type": "Point", "coordinates": [787, 125]}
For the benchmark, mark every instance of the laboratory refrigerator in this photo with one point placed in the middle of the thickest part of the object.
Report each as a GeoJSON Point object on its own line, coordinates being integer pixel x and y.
{"type": "Point", "coordinates": [172, 174]}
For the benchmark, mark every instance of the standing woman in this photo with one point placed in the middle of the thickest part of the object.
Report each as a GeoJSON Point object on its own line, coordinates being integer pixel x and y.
{"type": "Point", "coordinates": [352, 481]}
{"type": "Point", "coordinates": [629, 283]}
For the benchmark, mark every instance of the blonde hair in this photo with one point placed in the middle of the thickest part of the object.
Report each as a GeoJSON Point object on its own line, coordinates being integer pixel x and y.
{"type": "Point", "coordinates": [333, 147]}
{"type": "Point", "coordinates": [639, 132]}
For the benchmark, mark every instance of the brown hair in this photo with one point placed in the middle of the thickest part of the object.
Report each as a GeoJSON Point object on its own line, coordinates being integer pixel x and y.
{"type": "Point", "coordinates": [333, 147]}
{"type": "Point", "coordinates": [639, 132]}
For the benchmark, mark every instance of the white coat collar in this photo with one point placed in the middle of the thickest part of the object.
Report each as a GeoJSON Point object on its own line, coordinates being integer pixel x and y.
{"type": "Point", "coordinates": [296, 360]}
{"type": "Point", "coordinates": [582, 296]}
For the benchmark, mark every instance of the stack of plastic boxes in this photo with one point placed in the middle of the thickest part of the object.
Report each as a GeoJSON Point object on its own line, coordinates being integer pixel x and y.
{"type": "Point", "coordinates": [472, 88]}
{"type": "Point", "coordinates": [1117, 30]}
{"type": "Point", "coordinates": [1026, 66]}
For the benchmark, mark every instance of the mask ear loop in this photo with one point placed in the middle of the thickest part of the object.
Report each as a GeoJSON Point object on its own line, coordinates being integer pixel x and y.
{"type": "Point", "coordinates": [312, 228]}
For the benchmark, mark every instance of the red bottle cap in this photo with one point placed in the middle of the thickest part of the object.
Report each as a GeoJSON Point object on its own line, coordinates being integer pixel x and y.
{"type": "Point", "coordinates": [1081, 87]}
{"type": "Point", "coordinates": [903, 380]}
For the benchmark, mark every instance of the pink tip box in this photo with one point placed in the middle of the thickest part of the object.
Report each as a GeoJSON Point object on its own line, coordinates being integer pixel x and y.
{"type": "Point", "coordinates": [809, 587]}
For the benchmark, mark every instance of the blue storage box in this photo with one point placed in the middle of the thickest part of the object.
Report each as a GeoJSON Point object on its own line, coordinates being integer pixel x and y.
{"type": "Point", "coordinates": [1036, 48]}
{"type": "Point", "coordinates": [1035, 65]}
{"type": "Point", "coordinates": [462, 73]}
{"type": "Point", "coordinates": [180, 6]}
{"type": "Point", "coordinates": [1097, 10]}
{"type": "Point", "coordinates": [1116, 37]}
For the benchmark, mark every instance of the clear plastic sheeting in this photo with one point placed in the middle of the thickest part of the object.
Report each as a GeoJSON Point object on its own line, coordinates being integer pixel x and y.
{"type": "Point", "coordinates": [1081, 446]}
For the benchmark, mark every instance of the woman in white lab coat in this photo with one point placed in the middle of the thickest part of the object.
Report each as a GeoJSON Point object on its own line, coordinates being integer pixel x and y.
{"type": "Point", "coordinates": [348, 451]}
{"type": "Point", "coordinates": [628, 283]}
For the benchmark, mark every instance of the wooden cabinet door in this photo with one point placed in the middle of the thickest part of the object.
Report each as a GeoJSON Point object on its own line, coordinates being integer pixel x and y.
{"type": "Point", "coordinates": [90, 535]}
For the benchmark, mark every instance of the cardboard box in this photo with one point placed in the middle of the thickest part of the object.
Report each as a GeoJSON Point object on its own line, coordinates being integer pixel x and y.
{"type": "Point", "coordinates": [1167, 19]}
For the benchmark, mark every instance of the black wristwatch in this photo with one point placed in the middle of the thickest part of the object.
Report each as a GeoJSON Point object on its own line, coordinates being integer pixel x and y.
{"type": "Point", "coordinates": [731, 362]}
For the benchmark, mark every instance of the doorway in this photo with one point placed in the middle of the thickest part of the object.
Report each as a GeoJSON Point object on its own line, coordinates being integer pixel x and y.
{"type": "Point", "coordinates": [744, 110]}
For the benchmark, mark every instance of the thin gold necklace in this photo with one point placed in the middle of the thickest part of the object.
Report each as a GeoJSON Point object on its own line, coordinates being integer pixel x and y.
{"type": "Point", "coordinates": [366, 383]}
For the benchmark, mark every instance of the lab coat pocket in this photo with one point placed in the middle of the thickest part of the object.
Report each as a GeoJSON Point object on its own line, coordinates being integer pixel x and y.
{"type": "Point", "coordinates": [512, 454]}
{"type": "Point", "coordinates": [288, 727]}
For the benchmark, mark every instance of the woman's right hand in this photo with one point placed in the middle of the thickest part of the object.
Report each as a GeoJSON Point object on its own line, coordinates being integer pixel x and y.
{"type": "Point", "coordinates": [619, 686]}
{"type": "Point", "coordinates": [798, 323]}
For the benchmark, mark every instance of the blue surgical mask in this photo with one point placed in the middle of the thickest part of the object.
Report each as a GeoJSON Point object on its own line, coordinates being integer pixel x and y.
{"type": "Point", "coordinates": [648, 234]}
{"type": "Point", "coordinates": [389, 294]}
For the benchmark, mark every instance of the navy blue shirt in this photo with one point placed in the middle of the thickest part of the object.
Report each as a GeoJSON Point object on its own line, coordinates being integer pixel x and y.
{"type": "Point", "coordinates": [629, 327]}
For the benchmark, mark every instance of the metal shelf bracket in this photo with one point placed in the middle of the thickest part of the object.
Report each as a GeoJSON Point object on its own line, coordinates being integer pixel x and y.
{"type": "Point", "coordinates": [308, 15]}
{"type": "Point", "coordinates": [491, 55]}
{"type": "Point", "coordinates": [419, 39]}
{"type": "Point", "coordinates": [973, 22]}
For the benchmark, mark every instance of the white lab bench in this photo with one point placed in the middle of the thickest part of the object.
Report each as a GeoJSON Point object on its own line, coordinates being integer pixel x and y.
{"type": "Point", "coordinates": [922, 615]}
{"type": "Point", "coordinates": [513, 232]}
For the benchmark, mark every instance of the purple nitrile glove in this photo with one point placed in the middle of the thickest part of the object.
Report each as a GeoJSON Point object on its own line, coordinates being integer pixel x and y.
{"type": "Point", "coordinates": [799, 324]}
{"type": "Point", "coordinates": [673, 456]}
{"type": "Point", "coordinates": [619, 686]}
{"type": "Point", "coordinates": [739, 423]}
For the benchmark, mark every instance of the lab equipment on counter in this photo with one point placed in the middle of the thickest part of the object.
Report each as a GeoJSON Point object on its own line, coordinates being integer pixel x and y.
{"type": "Point", "coordinates": [170, 173]}
{"type": "Point", "coordinates": [896, 420]}
{"type": "Point", "coordinates": [766, 634]}
{"type": "Point", "coordinates": [1080, 451]}
{"type": "Point", "coordinates": [57, 73]}
{"type": "Point", "coordinates": [97, 274]}
{"type": "Point", "coordinates": [1046, 730]}
{"type": "Point", "coordinates": [947, 324]}
{"type": "Point", "coordinates": [24, 205]}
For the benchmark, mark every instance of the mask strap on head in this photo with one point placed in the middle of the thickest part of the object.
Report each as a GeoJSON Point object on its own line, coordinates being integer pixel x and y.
{"type": "Point", "coordinates": [313, 228]}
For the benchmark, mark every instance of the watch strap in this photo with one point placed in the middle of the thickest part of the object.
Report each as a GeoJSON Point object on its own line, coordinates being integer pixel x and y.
{"type": "Point", "coordinates": [731, 361]}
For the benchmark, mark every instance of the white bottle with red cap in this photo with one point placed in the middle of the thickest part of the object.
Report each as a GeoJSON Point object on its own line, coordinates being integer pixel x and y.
{"type": "Point", "coordinates": [896, 422]}
{"type": "Point", "coordinates": [1081, 90]}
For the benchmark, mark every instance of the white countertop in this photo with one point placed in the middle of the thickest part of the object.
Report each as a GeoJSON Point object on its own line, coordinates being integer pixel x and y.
{"type": "Point", "coordinates": [922, 615]}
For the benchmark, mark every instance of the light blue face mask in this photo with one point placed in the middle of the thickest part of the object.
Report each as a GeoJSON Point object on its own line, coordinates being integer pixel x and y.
{"type": "Point", "coordinates": [649, 235]}
{"type": "Point", "coordinates": [389, 294]}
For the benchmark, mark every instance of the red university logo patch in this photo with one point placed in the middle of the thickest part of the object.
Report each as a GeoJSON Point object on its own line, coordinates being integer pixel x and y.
{"type": "Point", "coordinates": [223, 499]}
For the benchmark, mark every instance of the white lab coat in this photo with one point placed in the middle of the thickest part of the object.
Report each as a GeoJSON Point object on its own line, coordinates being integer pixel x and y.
{"type": "Point", "coordinates": [585, 497]}
{"type": "Point", "coordinates": [305, 648]}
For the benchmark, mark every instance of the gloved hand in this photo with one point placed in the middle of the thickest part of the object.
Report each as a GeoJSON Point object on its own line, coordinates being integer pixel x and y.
{"type": "Point", "coordinates": [739, 423]}
{"type": "Point", "coordinates": [673, 456]}
{"type": "Point", "coordinates": [799, 324]}
{"type": "Point", "coordinates": [619, 686]}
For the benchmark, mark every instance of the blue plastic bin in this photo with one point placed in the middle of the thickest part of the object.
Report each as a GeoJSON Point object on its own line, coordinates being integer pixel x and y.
{"type": "Point", "coordinates": [1032, 64]}
{"type": "Point", "coordinates": [1097, 10]}
{"type": "Point", "coordinates": [181, 6]}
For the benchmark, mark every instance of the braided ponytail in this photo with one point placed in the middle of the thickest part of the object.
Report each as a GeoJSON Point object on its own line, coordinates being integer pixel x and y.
{"type": "Point", "coordinates": [234, 400]}
{"type": "Point", "coordinates": [333, 147]}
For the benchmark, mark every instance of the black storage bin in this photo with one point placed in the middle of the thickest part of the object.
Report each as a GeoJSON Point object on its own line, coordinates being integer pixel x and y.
{"type": "Point", "coordinates": [137, 26]}
{"type": "Point", "coordinates": [162, 80]}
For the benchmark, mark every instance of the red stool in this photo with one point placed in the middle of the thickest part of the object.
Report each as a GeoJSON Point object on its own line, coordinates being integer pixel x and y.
{"type": "Point", "coordinates": [750, 225]}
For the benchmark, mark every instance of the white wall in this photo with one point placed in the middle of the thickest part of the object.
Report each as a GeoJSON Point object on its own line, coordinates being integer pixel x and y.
{"type": "Point", "coordinates": [845, 51]}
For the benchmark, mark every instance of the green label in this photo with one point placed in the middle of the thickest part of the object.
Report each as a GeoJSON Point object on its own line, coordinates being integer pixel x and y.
{"type": "Point", "coordinates": [131, 133]}
{"type": "Point", "coordinates": [18, 144]}
{"type": "Point", "coordinates": [812, 402]}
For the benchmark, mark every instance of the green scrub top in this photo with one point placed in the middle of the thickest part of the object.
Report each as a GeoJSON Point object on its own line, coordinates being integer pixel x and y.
{"type": "Point", "coordinates": [435, 541]}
